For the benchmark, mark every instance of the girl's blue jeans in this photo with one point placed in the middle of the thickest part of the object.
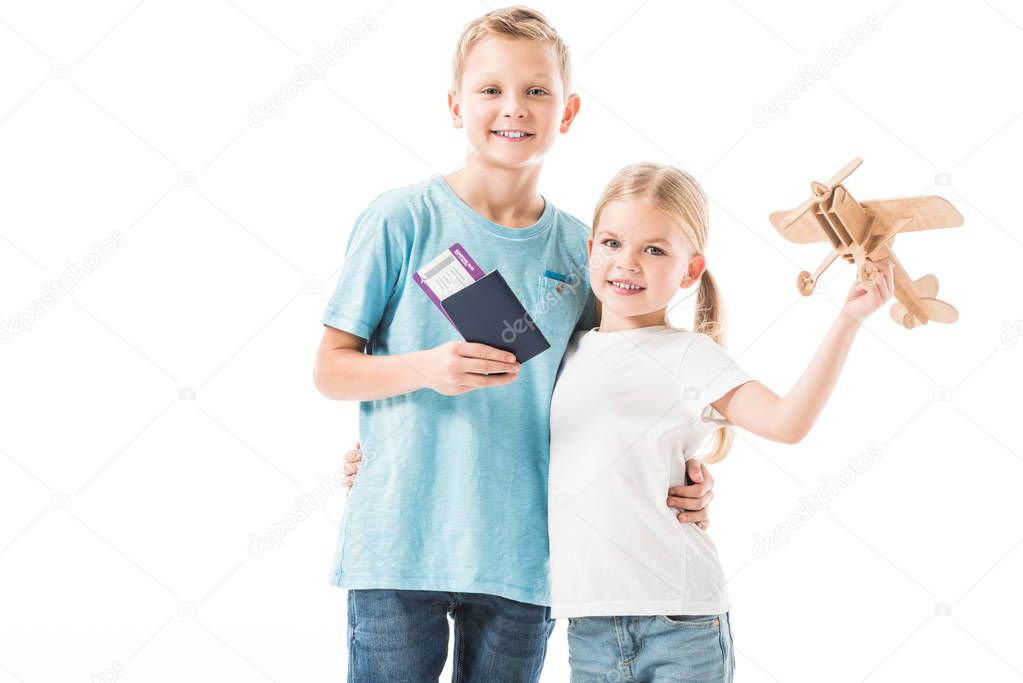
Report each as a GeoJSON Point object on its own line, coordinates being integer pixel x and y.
{"type": "Point", "coordinates": [660, 648]}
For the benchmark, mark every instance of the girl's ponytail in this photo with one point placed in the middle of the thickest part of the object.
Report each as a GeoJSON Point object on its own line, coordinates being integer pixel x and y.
{"type": "Point", "coordinates": [710, 320]}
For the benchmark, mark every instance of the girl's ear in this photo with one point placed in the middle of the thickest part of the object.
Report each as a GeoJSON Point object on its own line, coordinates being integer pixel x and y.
{"type": "Point", "coordinates": [589, 246]}
{"type": "Point", "coordinates": [455, 109]}
{"type": "Point", "coordinates": [697, 264]}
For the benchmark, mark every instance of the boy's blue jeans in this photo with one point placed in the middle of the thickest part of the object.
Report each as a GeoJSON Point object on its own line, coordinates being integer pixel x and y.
{"type": "Point", "coordinates": [399, 636]}
{"type": "Point", "coordinates": [661, 648]}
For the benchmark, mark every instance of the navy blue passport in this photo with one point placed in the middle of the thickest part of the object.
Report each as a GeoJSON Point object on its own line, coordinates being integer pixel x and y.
{"type": "Point", "coordinates": [488, 312]}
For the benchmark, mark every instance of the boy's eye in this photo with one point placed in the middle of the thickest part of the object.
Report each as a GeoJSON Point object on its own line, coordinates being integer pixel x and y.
{"type": "Point", "coordinates": [490, 91]}
{"type": "Point", "coordinates": [609, 240]}
{"type": "Point", "coordinates": [657, 251]}
{"type": "Point", "coordinates": [537, 91]}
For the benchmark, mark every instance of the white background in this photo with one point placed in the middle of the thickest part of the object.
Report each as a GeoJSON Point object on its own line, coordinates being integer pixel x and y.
{"type": "Point", "coordinates": [129, 507]}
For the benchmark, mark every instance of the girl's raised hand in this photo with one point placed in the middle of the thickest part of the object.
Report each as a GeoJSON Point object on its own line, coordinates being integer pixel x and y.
{"type": "Point", "coordinates": [864, 300]}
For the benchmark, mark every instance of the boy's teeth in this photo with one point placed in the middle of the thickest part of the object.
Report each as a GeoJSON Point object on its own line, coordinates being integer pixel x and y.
{"type": "Point", "coordinates": [510, 134]}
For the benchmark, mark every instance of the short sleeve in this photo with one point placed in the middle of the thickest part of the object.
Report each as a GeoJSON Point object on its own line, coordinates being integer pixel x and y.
{"type": "Point", "coordinates": [588, 318]}
{"type": "Point", "coordinates": [707, 373]}
{"type": "Point", "coordinates": [374, 257]}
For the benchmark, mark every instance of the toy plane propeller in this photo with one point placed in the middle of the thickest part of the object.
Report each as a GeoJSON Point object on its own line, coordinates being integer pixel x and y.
{"type": "Point", "coordinates": [863, 233]}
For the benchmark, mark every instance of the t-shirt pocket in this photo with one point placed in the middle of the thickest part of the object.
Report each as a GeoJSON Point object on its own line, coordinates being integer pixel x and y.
{"type": "Point", "coordinates": [558, 293]}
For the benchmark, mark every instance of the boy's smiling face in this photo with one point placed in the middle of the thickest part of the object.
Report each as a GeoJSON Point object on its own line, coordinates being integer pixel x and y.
{"type": "Point", "coordinates": [638, 261]}
{"type": "Point", "coordinates": [511, 101]}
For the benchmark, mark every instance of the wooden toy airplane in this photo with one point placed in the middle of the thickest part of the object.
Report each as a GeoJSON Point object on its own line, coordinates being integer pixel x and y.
{"type": "Point", "coordinates": [863, 233]}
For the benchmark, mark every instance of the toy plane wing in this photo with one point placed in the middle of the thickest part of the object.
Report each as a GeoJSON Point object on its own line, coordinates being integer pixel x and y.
{"type": "Point", "coordinates": [803, 230]}
{"type": "Point", "coordinates": [922, 213]}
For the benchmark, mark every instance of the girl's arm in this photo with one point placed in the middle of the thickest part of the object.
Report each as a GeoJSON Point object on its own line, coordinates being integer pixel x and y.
{"type": "Point", "coordinates": [788, 419]}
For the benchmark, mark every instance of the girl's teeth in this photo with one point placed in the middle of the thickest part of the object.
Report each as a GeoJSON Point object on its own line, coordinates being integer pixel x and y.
{"type": "Point", "coordinates": [621, 285]}
{"type": "Point", "coordinates": [510, 134]}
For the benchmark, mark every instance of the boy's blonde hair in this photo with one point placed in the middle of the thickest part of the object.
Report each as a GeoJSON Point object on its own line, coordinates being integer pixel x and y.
{"type": "Point", "coordinates": [677, 194]}
{"type": "Point", "coordinates": [511, 22]}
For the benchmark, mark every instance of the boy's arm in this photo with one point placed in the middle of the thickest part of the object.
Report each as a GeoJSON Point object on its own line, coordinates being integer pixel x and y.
{"type": "Point", "coordinates": [344, 372]}
{"type": "Point", "coordinates": [759, 410]}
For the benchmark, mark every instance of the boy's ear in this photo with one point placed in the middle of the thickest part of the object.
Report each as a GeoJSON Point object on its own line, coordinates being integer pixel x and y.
{"type": "Point", "coordinates": [571, 110]}
{"type": "Point", "coordinates": [455, 108]}
{"type": "Point", "coordinates": [589, 246]}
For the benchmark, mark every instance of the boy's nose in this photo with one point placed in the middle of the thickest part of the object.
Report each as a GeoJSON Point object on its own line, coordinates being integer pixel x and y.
{"type": "Point", "coordinates": [514, 109]}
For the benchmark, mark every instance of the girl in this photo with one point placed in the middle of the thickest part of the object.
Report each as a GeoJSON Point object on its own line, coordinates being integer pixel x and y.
{"type": "Point", "coordinates": [644, 596]}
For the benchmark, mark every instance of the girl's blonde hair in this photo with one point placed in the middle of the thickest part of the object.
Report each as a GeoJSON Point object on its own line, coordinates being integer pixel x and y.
{"type": "Point", "coordinates": [678, 195]}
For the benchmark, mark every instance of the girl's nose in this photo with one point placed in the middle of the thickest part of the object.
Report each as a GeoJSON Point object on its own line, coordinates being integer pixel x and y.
{"type": "Point", "coordinates": [628, 263]}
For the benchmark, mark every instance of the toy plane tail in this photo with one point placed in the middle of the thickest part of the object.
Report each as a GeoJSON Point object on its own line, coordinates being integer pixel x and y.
{"type": "Point", "coordinates": [926, 289]}
{"type": "Point", "coordinates": [939, 311]}
{"type": "Point", "coordinates": [926, 286]}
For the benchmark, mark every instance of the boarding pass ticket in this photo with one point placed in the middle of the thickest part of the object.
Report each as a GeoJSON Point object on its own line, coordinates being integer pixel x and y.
{"type": "Point", "coordinates": [448, 273]}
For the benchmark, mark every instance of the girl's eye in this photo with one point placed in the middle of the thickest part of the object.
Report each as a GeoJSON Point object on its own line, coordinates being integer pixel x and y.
{"type": "Point", "coordinates": [616, 244]}
{"type": "Point", "coordinates": [537, 91]}
{"type": "Point", "coordinates": [490, 91]}
{"type": "Point", "coordinates": [657, 251]}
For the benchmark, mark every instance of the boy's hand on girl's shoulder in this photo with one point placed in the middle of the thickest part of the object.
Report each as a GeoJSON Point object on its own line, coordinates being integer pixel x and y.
{"type": "Point", "coordinates": [458, 367]}
{"type": "Point", "coordinates": [693, 501]}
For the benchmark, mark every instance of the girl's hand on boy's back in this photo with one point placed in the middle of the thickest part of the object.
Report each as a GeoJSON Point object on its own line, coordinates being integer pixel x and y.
{"type": "Point", "coordinates": [458, 367]}
{"type": "Point", "coordinates": [690, 503]}
{"type": "Point", "coordinates": [353, 459]}
{"type": "Point", "coordinates": [863, 300]}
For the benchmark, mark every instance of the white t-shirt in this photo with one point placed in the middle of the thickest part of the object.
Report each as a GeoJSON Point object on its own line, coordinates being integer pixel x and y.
{"type": "Point", "coordinates": [628, 407]}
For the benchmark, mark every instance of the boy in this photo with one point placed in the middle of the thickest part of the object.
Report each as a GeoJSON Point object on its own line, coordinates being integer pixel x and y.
{"type": "Point", "coordinates": [450, 512]}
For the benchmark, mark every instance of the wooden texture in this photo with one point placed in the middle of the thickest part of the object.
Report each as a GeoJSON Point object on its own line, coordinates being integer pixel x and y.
{"type": "Point", "coordinates": [863, 233]}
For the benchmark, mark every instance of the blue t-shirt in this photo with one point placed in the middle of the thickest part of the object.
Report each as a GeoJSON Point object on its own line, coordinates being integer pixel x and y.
{"type": "Point", "coordinates": [452, 491]}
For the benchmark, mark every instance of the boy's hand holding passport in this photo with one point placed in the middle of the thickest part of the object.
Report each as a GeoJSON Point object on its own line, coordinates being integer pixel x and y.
{"type": "Point", "coordinates": [483, 308]}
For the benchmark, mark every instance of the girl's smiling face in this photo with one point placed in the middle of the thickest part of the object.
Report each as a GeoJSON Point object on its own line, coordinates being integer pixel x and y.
{"type": "Point", "coordinates": [638, 261]}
